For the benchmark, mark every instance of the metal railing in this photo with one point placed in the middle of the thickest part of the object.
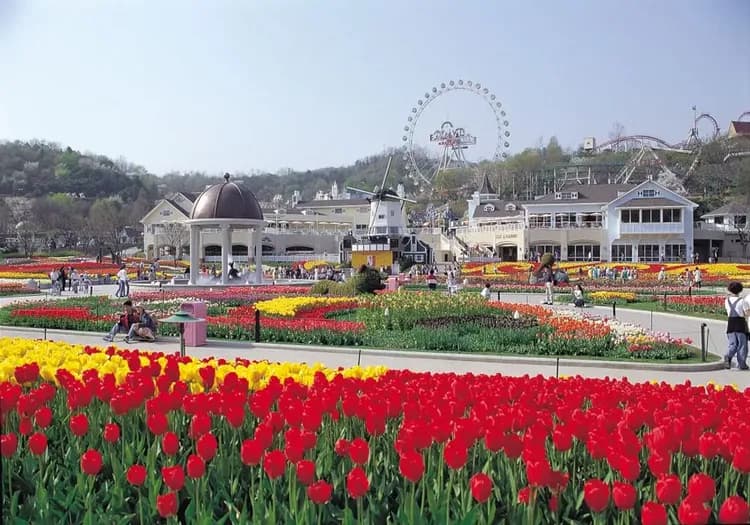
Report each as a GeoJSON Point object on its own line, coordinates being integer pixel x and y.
{"type": "Point", "coordinates": [651, 227]}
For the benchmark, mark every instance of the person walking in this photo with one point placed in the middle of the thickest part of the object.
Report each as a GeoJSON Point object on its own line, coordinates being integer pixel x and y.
{"type": "Point", "coordinates": [62, 277]}
{"type": "Point", "coordinates": [697, 277]}
{"type": "Point", "coordinates": [737, 330]}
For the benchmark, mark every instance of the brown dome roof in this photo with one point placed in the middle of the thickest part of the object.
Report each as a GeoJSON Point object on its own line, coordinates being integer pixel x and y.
{"type": "Point", "coordinates": [227, 200]}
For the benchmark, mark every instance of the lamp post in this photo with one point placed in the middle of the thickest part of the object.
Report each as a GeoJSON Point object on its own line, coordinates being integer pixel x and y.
{"type": "Point", "coordinates": [181, 318]}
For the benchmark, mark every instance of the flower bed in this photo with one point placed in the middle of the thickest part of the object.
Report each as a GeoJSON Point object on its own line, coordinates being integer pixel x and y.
{"type": "Point", "coordinates": [7, 289]}
{"type": "Point", "coordinates": [186, 442]}
{"type": "Point", "coordinates": [408, 321]}
{"type": "Point", "coordinates": [646, 271]}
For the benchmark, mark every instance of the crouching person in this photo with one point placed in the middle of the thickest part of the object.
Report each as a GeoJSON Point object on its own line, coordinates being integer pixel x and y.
{"type": "Point", "coordinates": [127, 319]}
{"type": "Point", "coordinates": [144, 329]}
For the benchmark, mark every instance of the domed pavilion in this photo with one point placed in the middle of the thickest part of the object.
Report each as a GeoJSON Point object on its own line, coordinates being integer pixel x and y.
{"type": "Point", "coordinates": [226, 206]}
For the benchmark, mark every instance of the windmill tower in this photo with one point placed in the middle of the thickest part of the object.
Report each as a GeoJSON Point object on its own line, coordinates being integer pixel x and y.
{"type": "Point", "coordinates": [383, 243]}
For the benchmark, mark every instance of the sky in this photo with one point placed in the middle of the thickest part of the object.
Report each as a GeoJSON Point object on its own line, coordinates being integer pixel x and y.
{"type": "Point", "coordinates": [231, 85]}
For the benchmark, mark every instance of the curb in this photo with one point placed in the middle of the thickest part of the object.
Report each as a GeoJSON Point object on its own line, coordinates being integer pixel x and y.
{"type": "Point", "coordinates": [480, 358]}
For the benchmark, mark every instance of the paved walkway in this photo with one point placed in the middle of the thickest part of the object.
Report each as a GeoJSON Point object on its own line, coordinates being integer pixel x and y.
{"type": "Point", "coordinates": [419, 361]}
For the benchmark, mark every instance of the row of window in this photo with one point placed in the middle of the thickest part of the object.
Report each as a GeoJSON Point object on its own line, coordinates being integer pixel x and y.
{"type": "Point", "coordinates": [651, 215]}
{"type": "Point", "coordinates": [620, 252]}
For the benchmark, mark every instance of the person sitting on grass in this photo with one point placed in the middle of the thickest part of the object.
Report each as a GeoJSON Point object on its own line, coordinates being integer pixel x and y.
{"type": "Point", "coordinates": [144, 329]}
{"type": "Point", "coordinates": [126, 320]}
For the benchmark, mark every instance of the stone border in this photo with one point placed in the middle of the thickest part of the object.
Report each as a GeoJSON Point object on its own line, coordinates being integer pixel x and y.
{"type": "Point", "coordinates": [447, 356]}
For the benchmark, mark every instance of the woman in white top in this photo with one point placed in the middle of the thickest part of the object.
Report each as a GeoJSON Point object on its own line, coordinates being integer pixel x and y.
{"type": "Point", "coordinates": [123, 287]}
{"type": "Point", "coordinates": [486, 291]}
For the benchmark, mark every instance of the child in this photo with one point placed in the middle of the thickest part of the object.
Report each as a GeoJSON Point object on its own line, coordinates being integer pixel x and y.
{"type": "Point", "coordinates": [736, 327]}
{"type": "Point", "coordinates": [486, 291]}
{"type": "Point", "coordinates": [578, 296]}
{"type": "Point", "coordinates": [145, 328]}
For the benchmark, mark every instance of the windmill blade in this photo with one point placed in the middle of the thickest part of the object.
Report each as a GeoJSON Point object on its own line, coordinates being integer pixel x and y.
{"type": "Point", "coordinates": [385, 176]}
{"type": "Point", "coordinates": [360, 191]}
{"type": "Point", "coordinates": [397, 198]}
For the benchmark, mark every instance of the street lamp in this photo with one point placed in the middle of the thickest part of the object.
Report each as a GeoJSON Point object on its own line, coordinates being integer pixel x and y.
{"type": "Point", "coordinates": [181, 318]}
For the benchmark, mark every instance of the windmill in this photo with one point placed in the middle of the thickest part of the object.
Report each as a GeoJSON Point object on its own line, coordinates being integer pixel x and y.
{"type": "Point", "coordinates": [386, 209]}
{"type": "Point", "coordinates": [385, 241]}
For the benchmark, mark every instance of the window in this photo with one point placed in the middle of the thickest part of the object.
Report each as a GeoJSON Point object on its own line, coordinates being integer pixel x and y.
{"type": "Point", "coordinates": [361, 226]}
{"type": "Point", "coordinates": [510, 207]}
{"type": "Point", "coordinates": [648, 193]}
{"type": "Point", "coordinates": [566, 195]}
{"type": "Point", "coordinates": [393, 213]}
{"type": "Point", "coordinates": [419, 258]}
{"type": "Point", "coordinates": [565, 220]}
{"type": "Point", "coordinates": [648, 252]}
{"type": "Point", "coordinates": [671, 215]}
{"type": "Point", "coordinates": [489, 208]}
{"type": "Point", "coordinates": [580, 252]}
{"type": "Point", "coordinates": [674, 252]}
{"type": "Point", "coordinates": [363, 209]}
{"type": "Point", "coordinates": [338, 210]}
{"type": "Point", "coordinates": [630, 216]}
{"type": "Point", "coordinates": [622, 252]}
{"type": "Point", "coordinates": [591, 220]}
{"type": "Point", "coordinates": [546, 248]}
{"type": "Point", "coordinates": [381, 216]}
{"type": "Point", "coordinates": [740, 221]}
{"type": "Point", "coordinates": [650, 215]}
{"type": "Point", "coordinates": [719, 220]}
{"type": "Point", "coordinates": [540, 221]}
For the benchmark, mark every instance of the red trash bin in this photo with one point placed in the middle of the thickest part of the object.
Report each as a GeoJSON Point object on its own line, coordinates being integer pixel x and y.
{"type": "Point", "coordinates": [195, 333]}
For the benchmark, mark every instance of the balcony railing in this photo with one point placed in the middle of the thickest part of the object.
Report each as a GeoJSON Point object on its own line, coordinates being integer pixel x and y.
{"type": "Point", "coordinates": [568, 226]}
{"type": "Point", "coordinates": [651, 227]}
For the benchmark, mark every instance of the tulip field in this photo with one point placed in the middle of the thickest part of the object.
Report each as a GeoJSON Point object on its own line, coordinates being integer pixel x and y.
{"type": "Point", "coordinates": [119, 436]}
{"type": "Point", "coordinates": [407, 321]}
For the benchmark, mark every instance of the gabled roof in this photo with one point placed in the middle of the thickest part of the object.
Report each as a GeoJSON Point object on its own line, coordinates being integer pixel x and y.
{"type": "Point", "coordinates": [486, 188]}
{"type": "Point", "coordinates": [739, 128]}
{"type": "Point", "coordinates": [587, 194]}
{"type": "Point", "coordinates": [158, 205]}
{"type": "Point", "coordinates": [665, 196]}
{"type": "Point", "coordinates": [499, 211]}
{"type": "Point", "coordinates": [733, 208]}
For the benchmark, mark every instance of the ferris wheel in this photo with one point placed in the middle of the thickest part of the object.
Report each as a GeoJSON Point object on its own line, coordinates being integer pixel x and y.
{"type": "Point", "coordinates": [453, 141]}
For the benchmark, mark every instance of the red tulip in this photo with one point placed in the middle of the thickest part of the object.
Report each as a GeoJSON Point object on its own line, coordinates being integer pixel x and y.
{"type": "Point", "coordinates": [166, 504]}
{"type": "Point", "coordinates": [693, 512]}
{"type": "Point", "coordinates": [669, 489]}
{"type": "Point", "coordinates": [524, 495]}
{"type": "Point", "coordinates": [305, 471]}
{"type": "Point", "coordinates": [359, 451]}
{"type": "Point", "coordinates": [196, 467]}
{"type": "Point", "coordinates": [37, 443]}
{"type": "Point", "coordinates": [653, 513]}
{"type": "Point", "coordinates": [342, 447]}
{"type": "Point", "coordinates": [411, 465]}
{"type": "Point", "coordinates": [91, 462]}
{"type": "Point", "coordinates": [734, 510]}
{"type": "Point", "coordinates": [701, 487]}
{"type": "Point", "coordinates": [170, 443]}
{"type": "Point", "coordinates": [136, 475]}
{"type": "Point", "coordinates": [207, 446]}
{"type": "Point", "coordinates": [24, 426]}
{"type": "Point", "coordinates": [207, 373]}
{"type": "Point", "coordinates": [157, 423]}
{"type": "Point", "coordinates": [596, 495]}
{"type": "Point", "coordinates": [562, 438]}
{"type": "Point", "coordinates": [43, 417]}
{"type": "Point", "coordinates": [8, 445]}
{"type": "Point", "coordinates": [320, 492]}
{"type": "Point", "coordinates": [659, 464]}
{"type": "Point", "coordinates": [111, 432]}
{"type": "Point", "coordinates": [251, 452]}
{"type": "Point", "coordinates": [357, 483]}
{"type": "Point", "coordinates": [624, 495]}
{"type": "Point", "coordinates": [174, 477]}
{"type": "Point", "coordinates": [538, 473]}
{"type": "Point", "coordinates": [274, 464]}
{"type": "Point", "coordinates": [199, 425]}
{"type": "Point", "coordinates": [741, 459]}
{"type": "Point", "coordinates": [455, 454]}
{"type": "Point", "coordinates": [481, 487]}
{"type": "Point", "coordinates": [79, 424]}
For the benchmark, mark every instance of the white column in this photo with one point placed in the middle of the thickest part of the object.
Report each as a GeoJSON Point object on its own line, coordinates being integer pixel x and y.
{"type": "Point", "coordinates": [226, 248]}
{"type": "Point", "coordinates": [195, 233]}
{"type": "Point", "coordinates": [258, 255]}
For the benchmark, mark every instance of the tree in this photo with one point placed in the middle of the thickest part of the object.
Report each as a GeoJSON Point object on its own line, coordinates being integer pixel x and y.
{"type": "Point", "coordinates": [106, 222]}
{"type": "Point", "coordinates": [174, 235]}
